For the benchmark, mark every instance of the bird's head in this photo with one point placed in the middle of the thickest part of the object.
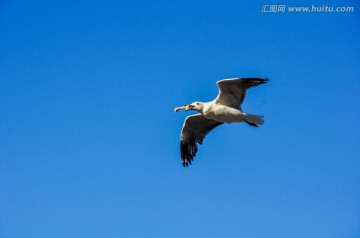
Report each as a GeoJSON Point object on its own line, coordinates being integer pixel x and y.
{"type": "Point", "coordinates": [197, 106]}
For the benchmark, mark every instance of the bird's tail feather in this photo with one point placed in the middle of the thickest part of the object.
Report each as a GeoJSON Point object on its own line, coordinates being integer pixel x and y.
{"type": "Point", "coordinates": [254, 120]}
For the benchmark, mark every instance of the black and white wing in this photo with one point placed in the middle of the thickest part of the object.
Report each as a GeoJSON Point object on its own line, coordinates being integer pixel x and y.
{"type": "Point", "coordinates": [233, 91]}
{"type": "Point", "coordinates": [194, 130]}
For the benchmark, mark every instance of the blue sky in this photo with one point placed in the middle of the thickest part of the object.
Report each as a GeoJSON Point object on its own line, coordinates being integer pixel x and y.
{"type": "Point", "coordinates": [89, 141]}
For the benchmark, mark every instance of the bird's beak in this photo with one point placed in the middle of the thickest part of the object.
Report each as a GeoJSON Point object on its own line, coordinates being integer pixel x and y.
{"type": "Point", "coordinates": [186, 107]}
{"type": "Point", "coordinates": [189, 107]}
{"type": "Point", "coordinates": [179, 108]}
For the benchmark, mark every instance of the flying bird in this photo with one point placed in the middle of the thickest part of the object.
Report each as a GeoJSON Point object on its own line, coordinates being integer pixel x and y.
{"type": "Point", "coordinates": [225, 108]}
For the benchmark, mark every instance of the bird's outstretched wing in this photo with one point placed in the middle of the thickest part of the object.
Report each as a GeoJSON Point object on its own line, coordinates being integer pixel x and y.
{"type": "Point", "coordinates": [233, 91]}
{"type": "Point", "coordinates": [194, 130]}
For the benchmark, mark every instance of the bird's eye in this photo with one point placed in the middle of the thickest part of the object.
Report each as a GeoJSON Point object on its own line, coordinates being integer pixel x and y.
{"type": "Point", "coordinates": [197, 103]}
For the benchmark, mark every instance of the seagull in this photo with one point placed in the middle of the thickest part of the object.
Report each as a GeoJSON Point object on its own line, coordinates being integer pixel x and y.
{"type": "Point", "coordinates": [225, 108]}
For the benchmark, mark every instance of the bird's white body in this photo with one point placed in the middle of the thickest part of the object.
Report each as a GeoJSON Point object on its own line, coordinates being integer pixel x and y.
{"type": "Point", "coordinates": [221, 113]}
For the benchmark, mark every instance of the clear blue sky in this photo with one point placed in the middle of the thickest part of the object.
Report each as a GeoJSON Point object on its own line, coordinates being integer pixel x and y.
{"type": "Point", "coordinates": [89, 141]}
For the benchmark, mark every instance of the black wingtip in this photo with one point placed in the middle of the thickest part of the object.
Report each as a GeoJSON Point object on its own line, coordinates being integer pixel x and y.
{"type": "Point", "coordinates": [187, 154]}
{"type": "Point", "coordinates": [254, 81]}
{"type": "Point", "coordinates": [252, 124]}
{"type": "Point", "coordinates": [261, 80]}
